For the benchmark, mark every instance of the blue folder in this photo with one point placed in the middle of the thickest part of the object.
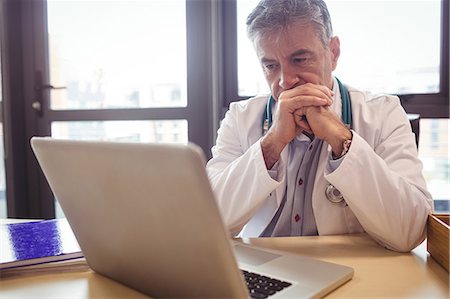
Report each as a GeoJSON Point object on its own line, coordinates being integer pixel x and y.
{"type": "Point", "coordinates": [31, 243]}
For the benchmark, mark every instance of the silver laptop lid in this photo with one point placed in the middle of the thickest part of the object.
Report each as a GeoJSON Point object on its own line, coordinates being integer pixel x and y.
{"type": "Point", "coordinates": [163, 239]}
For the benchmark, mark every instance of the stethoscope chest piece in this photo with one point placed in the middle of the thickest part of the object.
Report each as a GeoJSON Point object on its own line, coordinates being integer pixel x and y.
{"type": "Point", "coordinates": [333, 194]}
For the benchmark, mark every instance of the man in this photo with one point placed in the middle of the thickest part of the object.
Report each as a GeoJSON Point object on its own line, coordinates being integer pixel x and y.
{"type": "Point", "coordinates": [308, 173]}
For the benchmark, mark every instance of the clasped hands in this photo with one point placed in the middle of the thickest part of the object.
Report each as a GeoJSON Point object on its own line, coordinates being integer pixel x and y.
{"type": "Point", "coordinates": [304, 108]}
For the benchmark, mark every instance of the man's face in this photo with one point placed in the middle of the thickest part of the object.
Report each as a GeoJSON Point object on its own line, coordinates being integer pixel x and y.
{"type": "Point", "coordinates": [295, 55]}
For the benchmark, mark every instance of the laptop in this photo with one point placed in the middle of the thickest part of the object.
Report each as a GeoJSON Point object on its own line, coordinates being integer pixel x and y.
{"type": "Point", "coordinates": [145, 215]}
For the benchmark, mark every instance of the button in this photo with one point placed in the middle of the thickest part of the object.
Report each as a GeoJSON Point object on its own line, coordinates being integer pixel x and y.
{"type": "Point", "coordinates": [300, 182]}
{"type": "Point", "coordinates": [297, 218]}
{"type": "Point", "coordinates": [310, 147]}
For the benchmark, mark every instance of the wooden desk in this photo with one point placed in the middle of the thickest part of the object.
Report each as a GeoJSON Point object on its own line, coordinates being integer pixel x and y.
{"type": "Point", "coordinates": [378, 272]}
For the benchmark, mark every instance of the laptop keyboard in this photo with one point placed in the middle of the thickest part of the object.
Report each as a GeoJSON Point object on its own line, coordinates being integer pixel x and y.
{"type": "Point", "coordinates": [260, 286]}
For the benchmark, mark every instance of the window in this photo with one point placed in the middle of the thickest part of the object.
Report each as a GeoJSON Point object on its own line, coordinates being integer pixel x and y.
{"type": "Point", "coordinates": [396, 55]}
{"type": "Point", "coordinates": [135, 71]}
{"type": "Point", "coordinates": [108, 55]}
{"type": "Point", "coordinates": [113, 55]}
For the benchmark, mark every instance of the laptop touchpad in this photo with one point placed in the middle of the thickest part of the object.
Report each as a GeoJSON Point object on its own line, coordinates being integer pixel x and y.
{"type": "Point", "coordinates": [253, 256]}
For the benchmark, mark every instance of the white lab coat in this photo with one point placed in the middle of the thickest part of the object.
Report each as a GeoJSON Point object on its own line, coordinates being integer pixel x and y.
{"type": "Point", "coordinates": [380, 177]}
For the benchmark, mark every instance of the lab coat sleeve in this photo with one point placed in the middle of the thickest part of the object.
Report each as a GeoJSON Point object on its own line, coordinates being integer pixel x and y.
{"type": "Point", "coordinates": [383, 185]}
{"type": "Point", "coordinates": [238, 174]}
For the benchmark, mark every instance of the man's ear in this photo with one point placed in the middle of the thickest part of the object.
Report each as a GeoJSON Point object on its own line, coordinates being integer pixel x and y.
{"type": "Point", "coordinates": [335, 49]}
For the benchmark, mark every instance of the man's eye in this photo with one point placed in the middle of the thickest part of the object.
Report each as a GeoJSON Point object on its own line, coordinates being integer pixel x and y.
{"type": "Point", "coordinates": [270, 67]}
{"type": "Point", "coordinates": [300, 60]}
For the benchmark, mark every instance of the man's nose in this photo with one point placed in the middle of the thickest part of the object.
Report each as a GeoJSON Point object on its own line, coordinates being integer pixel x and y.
{"type": "Point", "coordinates": [288, 78]}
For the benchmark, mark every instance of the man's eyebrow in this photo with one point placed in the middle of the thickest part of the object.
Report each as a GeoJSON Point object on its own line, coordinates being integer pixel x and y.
{"type": "Point", "coordinates": [266, 60]}
{"type": "Point", "coordinates": [296, 53]}
{"type": "Point", "coordinates": [301, 52]}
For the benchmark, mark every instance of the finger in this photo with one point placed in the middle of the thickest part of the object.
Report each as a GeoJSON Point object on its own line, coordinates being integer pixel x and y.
{"type": "Point", "coordinates": [303, 125]}
{"type": "Point", "coordinates": [314, 98]}
{"type": "Point", "coordinates": [320, 93]}
{"type": "Point", "coordinates": [299, 102]}
{"type": "Point", "coordinates": [324, 89]}
{"type": "Point", "coordinates": [309, 89]}
{"type": "Point", "coordinates": [301, 121]}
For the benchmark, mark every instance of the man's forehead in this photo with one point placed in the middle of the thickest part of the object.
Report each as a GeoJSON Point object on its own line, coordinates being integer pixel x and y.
{"type": "Point", "coordinates": [289, 40]}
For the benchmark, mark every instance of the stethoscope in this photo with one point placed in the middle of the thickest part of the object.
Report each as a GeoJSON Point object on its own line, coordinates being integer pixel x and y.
{"type": "Point", "coordinates": [331, 192]}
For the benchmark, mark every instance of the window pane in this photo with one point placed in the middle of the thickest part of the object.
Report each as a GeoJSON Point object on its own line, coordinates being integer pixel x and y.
{"type": "Point", "coordinates": [384, 48]}
{"type": "Point", "coordinates": [397, 54]}
{"type": "Point", "coordinates": [117, 54]}
{"type": "Point", "coordinates": [250, 77]}
{"type": "Point", "coordinates": [433, 151]}
{"type": "Point", "coordinates": [173, 131]}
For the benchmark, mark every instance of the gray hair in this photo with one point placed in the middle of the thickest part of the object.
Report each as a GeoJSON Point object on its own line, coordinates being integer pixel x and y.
{"type": "Point", "coordinates": [277, 14]}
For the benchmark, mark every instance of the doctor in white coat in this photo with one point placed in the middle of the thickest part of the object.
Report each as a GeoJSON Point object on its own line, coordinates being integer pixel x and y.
{"type": "Point", "coordinates": [308, 173]}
